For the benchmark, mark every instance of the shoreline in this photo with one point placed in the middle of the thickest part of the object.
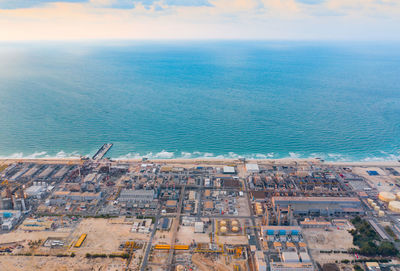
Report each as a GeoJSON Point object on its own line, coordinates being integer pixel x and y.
{"type": "Point", "coordinates": [210, 160]}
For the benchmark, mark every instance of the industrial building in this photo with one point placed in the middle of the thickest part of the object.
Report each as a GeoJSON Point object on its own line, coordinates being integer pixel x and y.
{"type": "Point", "coordinates": [280, 230]}
{"type": "Point", "coordinates": [8, 219]}
{"type": "Point", "coordinates": [261, 264]}
{"type": "Point", "coordinates": [312, 223]}
{"type": "Point", "coordinates": [199, 227]}
{"type": "Point", "coordinates": [78, 196]}
{"type": "Point", "coordinates": [36, 190]}
{"type": "Point", "coordinates": [320, 205]}
{"type": "Point", "coordinates": [229, 170]}
{"type": "Point", "coordinates": [252, 168]}
{"type": "Point", "coordinates": [298, 266]}
{"type": "Point", "coordinates": [137, 196]}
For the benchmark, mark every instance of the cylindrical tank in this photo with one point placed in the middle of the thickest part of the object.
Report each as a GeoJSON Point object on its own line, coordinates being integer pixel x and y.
{"type": "Point", "coordinates": [394, 206]}
{"type": "Point", "coordinates": [180, 268]}
{"type": "Point", "coordinates": [373, 204]}
{"type": "Point", "coordinates": [235, 223]}
{"type": "Point", "coordinates": [222, 223]}
{"type": "Point", "coordinates": [223, 229]}
{"type": "Point", "coordinates": [235, 229]}
{"type": "Point", "coordinates": [398, 195]}
{"type": "Point", "coordinates": [381, 213]}
{"type": "Point", "coordinates": [370, 201]}
{"type": "Point", "coordinates": [386, 196]}
{"type": "Point", "coordinates": [376, 208]}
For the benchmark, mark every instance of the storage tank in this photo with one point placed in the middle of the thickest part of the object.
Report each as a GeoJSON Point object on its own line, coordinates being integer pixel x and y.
{"type": "Point", "coordinates": [235, 223]}
{"type": "Point", "coordinates": [223, 229]}
{"type": "Point", "coordinates": [376, 208]}
{"type": "Point", "coordinates": [394, 206]}
{"type": "Point", "coordinates": [180, 268]}
{"type": "Point", "coordinates": [370, 201]}
{"type": "Point", "coordinates": [235, 229]}
{"type": "Point", "coordinates": [222, 223]}
{"type": "Point", "coordinates": [381, 213]}
{"type": "Point", "coordinates": [386, 196]}
{"type": "Point", "coordinates": [398, 195]}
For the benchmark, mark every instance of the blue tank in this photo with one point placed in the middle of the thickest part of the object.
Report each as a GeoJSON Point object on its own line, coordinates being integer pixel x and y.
{"type": "Point", "coordinates": [282, 232]}
{"type": "Point", "coordinates": [7, 215]}
{"type": "Point", "coordinates": [270, 232]}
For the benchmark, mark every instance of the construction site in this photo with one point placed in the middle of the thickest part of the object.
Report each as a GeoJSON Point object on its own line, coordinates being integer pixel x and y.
{"type": "Point", "coordinates": [100, 214]}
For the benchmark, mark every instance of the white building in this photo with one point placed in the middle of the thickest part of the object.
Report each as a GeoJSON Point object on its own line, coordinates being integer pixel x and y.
{"type": "Point", "coordinates": [261, 264]}
{"type": "Point", "coordinates": [229, 170]}
{"type": "Point", "coordinates": [290, 257]}
{"type": "Point", "coordinates": [192, 195]}
{"type": "Point", "coordinates": [198, 227]}
{"type": "Point", "coordinates": [35, 191]}
{"type": "Point", "coordinates": [252, 168]}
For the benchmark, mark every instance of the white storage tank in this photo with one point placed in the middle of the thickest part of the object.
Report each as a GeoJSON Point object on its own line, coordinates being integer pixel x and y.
{"type": "Point", "coordinates": [223, 229]}
{"type": "Point", "coordinates": [386, 196]}
{"type": "Point", "coordinates": [394, 206]}
{"type": "Point", "coordinates": [235, 229]}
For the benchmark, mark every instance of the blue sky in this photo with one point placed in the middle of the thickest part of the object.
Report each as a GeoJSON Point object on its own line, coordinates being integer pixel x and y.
{"type": "Point", "coordinates": [375, 20]}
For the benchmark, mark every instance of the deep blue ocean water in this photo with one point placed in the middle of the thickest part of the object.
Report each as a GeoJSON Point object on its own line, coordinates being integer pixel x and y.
{"type": "Point", "coordinates": [193, 99]}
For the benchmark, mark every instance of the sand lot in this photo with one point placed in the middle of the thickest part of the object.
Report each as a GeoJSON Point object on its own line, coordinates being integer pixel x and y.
{"type": "Point", "coordinates": [18, 263]}
{"type": "Point", "coordinates": [103, 236]}
{"type": "Point", "coordinates": [186, 235]}
{"type": "Point", "coordinates": [24, 236]}
{"type": "Point", "coordinates": [319, 239]}
{"type": "Point", "coordinates": [382, 182]}
{"type": "Point", "coordinates": [326, 240]}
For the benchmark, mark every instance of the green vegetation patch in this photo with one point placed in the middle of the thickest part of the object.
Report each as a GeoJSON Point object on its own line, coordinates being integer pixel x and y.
{"type": "Point", "coordinates": [369, 242]}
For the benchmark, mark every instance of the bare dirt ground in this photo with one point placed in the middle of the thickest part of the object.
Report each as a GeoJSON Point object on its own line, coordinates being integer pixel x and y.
{"type": "Point", "coordinates": [158, 259]}
{"type": "Point", "coordinates": [162, 237]}
{"type": "Point", "coordinates": [233, 239]}
{"type": "Point", "coordinates": [206, 264]}
{"type": "Point", "coordinates": [18, 263]}
{"type": "Point", "coordinates": [186, 235]}
{"type": "Point", "coordinates": [334, 239]}
{"type": "Point", "coordinates": [382, 182]}
{"type": "Point", "coordinates": [103, 236]}
{"type": "Point", "coordinates": [25, 236]}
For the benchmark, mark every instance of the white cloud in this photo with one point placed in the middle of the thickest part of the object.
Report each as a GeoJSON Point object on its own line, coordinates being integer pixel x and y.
{"type": "Point", "coordinates": [221, 19]}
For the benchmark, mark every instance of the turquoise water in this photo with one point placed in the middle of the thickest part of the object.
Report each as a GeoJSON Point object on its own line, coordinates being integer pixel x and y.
{"type": "Point", "coordinates": [201, 99]}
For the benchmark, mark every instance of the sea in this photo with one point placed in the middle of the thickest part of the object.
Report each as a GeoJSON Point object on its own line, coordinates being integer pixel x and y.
{"type": "Point", "coordinates": [339, 101]}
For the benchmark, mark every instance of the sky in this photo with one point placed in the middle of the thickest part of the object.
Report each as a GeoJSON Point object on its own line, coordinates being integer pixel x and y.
{"type": "Point", "coordinates": [358, 20]}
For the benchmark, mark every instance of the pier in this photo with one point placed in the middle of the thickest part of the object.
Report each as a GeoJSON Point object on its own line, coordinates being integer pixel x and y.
{"type": "Point", "coordinates": [102, 151]}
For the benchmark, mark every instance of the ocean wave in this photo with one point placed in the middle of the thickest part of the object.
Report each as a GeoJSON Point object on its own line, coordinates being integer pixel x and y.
{"type": "Point", "coordinates": [164, 154]}
{"type": "Point", "coordinates": [193, 155]}
{"type": "Point", "coordinates": [42, 154]}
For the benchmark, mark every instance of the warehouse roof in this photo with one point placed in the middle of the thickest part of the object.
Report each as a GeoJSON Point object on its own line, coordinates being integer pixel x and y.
{"type": "Point", "coordinates": [342, 199]}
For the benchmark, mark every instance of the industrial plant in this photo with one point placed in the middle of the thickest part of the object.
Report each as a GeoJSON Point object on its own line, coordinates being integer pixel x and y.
{"type": "Point", "coordinates": [103, 214]}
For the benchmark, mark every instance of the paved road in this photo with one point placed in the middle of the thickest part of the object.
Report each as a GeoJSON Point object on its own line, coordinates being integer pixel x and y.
{"type": "Point", "coordinates": [175, 229]}
{"type": "Point", "coordinates": [149, 244]}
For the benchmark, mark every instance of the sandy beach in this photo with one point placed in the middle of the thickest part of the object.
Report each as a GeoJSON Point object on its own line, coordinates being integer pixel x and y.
{"type": "Point", "coordinates": [208, 161]}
